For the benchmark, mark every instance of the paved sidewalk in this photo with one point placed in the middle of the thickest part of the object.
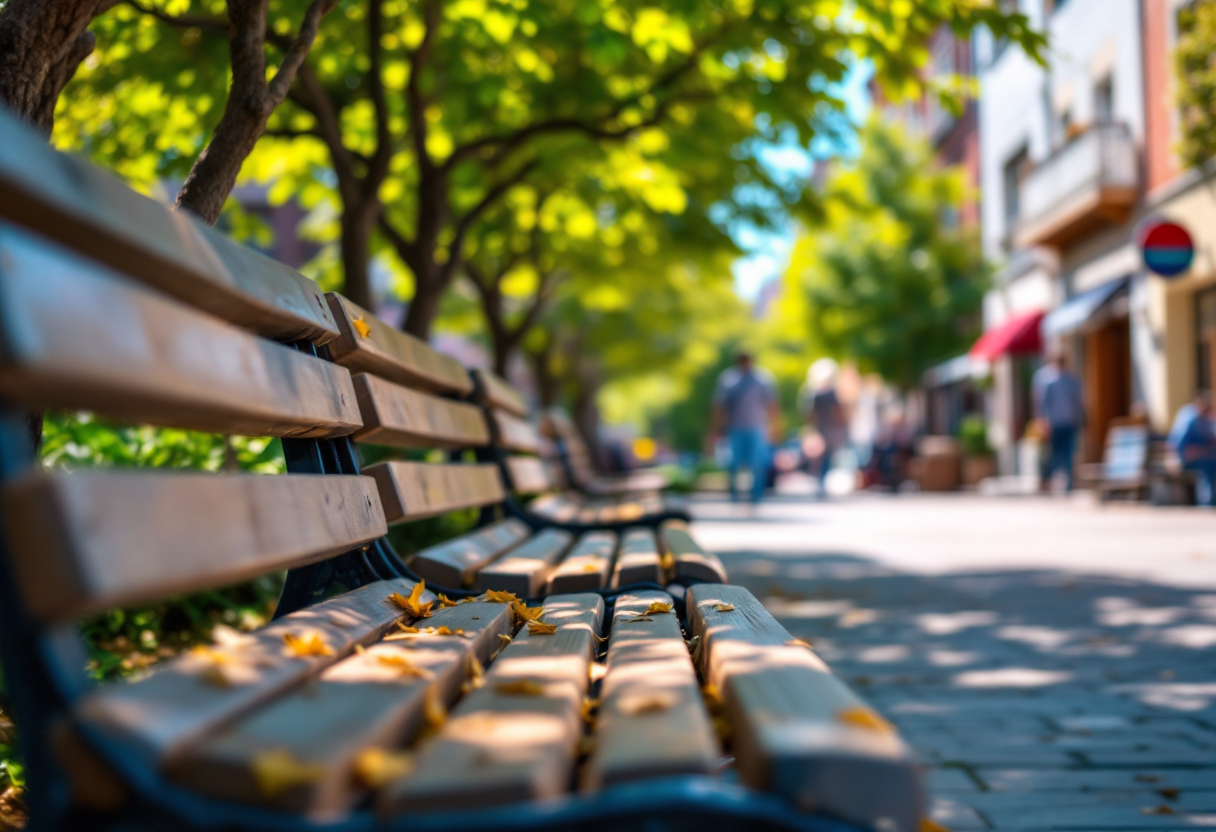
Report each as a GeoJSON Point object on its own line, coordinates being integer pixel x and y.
{"type": "Point", "coordinates": [1053, 663]}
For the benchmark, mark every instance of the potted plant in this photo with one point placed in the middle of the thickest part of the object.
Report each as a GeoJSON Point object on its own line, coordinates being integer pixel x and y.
{"type": "Point", "coordinates": [979, 461]}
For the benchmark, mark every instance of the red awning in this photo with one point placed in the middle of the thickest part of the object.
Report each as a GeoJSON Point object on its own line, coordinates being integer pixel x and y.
{"type": "Point", "coordinates": [1018, 335]}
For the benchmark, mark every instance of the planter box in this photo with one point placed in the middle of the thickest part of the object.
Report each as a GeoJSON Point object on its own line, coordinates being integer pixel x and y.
{"type": "Point", "coordinates": [977, 469]}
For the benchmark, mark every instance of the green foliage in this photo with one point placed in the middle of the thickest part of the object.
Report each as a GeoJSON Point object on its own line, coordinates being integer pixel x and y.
{"type": "Point", "coordinates": [1196, 74]}
{"type": "Point", "coordinates": [883, 281]}
{"type": "Point", "coordinates": [123, 641]}
{"type": "Point", "coordinates": [973, 435]}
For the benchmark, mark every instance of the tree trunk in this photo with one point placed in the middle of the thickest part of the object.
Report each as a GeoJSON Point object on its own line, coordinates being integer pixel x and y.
{"type": "Point", "coordinates": [546, 383]}
{"type": "Point", "coordinates": [214, 174]}
{"type": "Point", "coordinates": [358, 220]}
{"type": "Point", "coordinates": [42, 42]}
{"type": "Point", "coordinates": [424, 308]}
{"type": "Point", "coordinates": [503, 347]}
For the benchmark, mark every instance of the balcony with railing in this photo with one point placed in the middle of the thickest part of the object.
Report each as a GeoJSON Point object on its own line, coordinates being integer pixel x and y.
{"type": "Point", "coordinates": [1091, 181]}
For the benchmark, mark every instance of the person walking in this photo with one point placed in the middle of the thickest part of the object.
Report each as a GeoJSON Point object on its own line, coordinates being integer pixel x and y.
{"type": "Point", "coordinates": [745, 407]}
{"type": "Point", "coordinates": [1059, 407]}
{"type": "Point", "coordinates": [824, 413]}
{"type": "Point", "coordinates": [1193, 438]}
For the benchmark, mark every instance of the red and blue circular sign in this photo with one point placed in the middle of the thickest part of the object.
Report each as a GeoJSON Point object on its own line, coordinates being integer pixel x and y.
{"type": "Point", "coordinates": [1167, 248]}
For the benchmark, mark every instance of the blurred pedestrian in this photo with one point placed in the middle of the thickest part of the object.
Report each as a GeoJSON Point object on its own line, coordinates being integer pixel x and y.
{"type": "Point", "coordinates": [1059, 407]}
{"type": "Point", "coordinates": [824, 413]}
{"type": "Point", "coordinates": [1193, 438]}
{"type": "Point", "coordinates": [745, 407]}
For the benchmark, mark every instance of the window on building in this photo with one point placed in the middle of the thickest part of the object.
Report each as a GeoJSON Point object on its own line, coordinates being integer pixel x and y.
{"type": "Point", "coordinates": [1011, 182]}
{"type": "Point", "coordinates": [1104, 100]}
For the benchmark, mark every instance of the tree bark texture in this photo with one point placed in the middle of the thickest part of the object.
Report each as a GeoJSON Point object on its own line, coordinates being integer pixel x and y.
{"type": "Point", "coordinates": [42, 42]}
{"type": "Point", "coordinates": [251, 100]}
{"type": "Point", "coordinates": [358, 222]}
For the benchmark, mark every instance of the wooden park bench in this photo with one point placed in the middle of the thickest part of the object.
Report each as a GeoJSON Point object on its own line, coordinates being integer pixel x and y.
{"type": "Point", "coordinates": [576, 463]}
{"type": "Point", "coordinates": [517, 445]}
{"type": "Point", "coordinates": [371, 701]}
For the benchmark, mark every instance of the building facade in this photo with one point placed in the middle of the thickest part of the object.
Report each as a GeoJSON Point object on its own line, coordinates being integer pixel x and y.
{"type": "Point", "coordinates": [1061, 168]}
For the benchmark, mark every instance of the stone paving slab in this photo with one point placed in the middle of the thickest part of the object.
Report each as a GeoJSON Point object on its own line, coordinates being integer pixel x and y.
{"type": "Point", "coordinates": [1050, 695]}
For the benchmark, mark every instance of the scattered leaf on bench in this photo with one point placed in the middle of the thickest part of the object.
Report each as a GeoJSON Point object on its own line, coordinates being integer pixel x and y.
{"type": "Point", "coordinates": [309, 644]}
{"type": "Point", "coordinates": [214, 675]}
{"type": "Point", "coordinates": [413, 605]}
{"type": "Point", "coordinates": [405, 629]}
{"type": "Point", "coordinates": [277, 771]}
{"type": "Point", "coordinates": [657, 607]}
{"type": "Point", "coordinates": [434, 712]}
{"type": "Point", "coordinates": [506, 639]}
{"type": "Point", "coordinates": [866, 719]}
{"type": "Point", "coordinates": [638, 618]}
{"type": "Point", "coordinates": [540, 628]}
{"type": "Point", "coordinates": [590, 706]}
{"type": "Point", "coordinates": [596, 671]}
{"type": "Point", "coordinates": [520, 687]}
{"type": "Point", "coordinates": [1168, 794]}
{"type": "Point", "coordinates": [525, 612]}
{"type": "Point", "coordinates": [477, 673]}
{"type": "Point", "coordinates": [403, 665]}
{"type": "Point", "coordinates": [667, 562]}
{"type": "Point", "coordinates": [647, 703]}
{"type": "Point", "coordinates": [591, 567]}
{"type": "Point", "coordinates": [800, 642]}
{"type": "Point", "coordinates": [712, 697]}
{"type": "Point", "coordinates": [599, 639]}
{"type": "Point", "coordinates": [1160, 809]}
{"type": "Point", "coordinates": [930, 825]}
{"type": "Point", "coordinates": [445, 601]}
{"type": "Point", "coordinates": [374, 767]}
{"type": "Point", "coordinates": [498, 597]}
{"type": "Point", "coordinates": [725, 607]}
{"type": "Point", "coordinates": [361, 326]}
{"type": "Point", "coordinates": [210, 654]}
{"type": "Point", "coordinates": [445, 631]}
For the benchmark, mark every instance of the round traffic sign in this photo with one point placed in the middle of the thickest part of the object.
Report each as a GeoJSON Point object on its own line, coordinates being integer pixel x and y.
{"type": "Point", "coordinates": [1167, 248]}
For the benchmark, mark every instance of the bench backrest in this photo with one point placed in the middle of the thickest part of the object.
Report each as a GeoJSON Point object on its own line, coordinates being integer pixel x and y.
{"type": "Point", "coordinates": [113, 303]}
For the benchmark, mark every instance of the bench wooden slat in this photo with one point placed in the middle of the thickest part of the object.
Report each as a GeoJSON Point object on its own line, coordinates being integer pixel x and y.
{"type": "Point", "coordinates": [455, 562]}
{"type": "Point", "coordinates": [85, 542]}
{"type": "Point", "coordinates": [73, 335]}
{"type": "Point", "coordinates": [498, 393]}
{"type": "Point", "coordinates": [796, 729]}
{"type": "Point", "coordinates": [652, 720]}
{"type": "Point", "coordinates": [528, 475]}
{"type": "Point", "coordinates": [525, 569]}
{"type": "Point", "coordinates": [639, 560]}
{"type": "Point", "coordinates": [176, 705]}
{"type": "Point", "coordinates": [587, 566]}
{"type": "Point", "coordinates": [372, 346]}
{"type": "Point", "coordinates": [513, 739]}
{"type": "Point", "coordinates": [89, 210]}
{"type": "Point", "coordinates": [404, 418]}
{"type": "Point", "coordinates": [559, 508]}
{"type": "Point", "coordinates": [690, 560]}
{"type": "Point", "coordinates": [514, 434]}
{"type": "Point", "coordinates": [414, 490]}
{"type": "Point", "coordinates": [364, 701]}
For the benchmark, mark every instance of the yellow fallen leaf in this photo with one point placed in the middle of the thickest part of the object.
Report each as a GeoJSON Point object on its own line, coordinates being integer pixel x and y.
{"type": "Point", "coordinates": [591, 567]}
{"type": "Point", "coordinates": [865, 719]}
{"type": "Point", "coordinates": [498, 597]}
{"type": "Point", "coordinates": [712, 696]}
{"type": "Point", "coordinates": [477, 673]}
{"type": "Point", "coordinates": [303, 646]}
{"type": "Point", "coordinates": [930, 825]}
{"type": "Point", "coordinates": [361, 327]}
{"type": "Point", "coordinates": [650, 703]}
{"type": "Point", "coordinates": [413, 604]}
{"type": "Point", "coordinates": [210, 654]}
{"type": "Point", "coordinates": [668, 562]}
{"type": "Point", "coordinates": [800, 642]}
{"type": "Point", "coordinates": [277, 771]}
{"type": "Point", "coordinates": [725, 608]}
{"type": "Point", "coordinates": [403, 628]}
{"type": "Point", "coordinates": [657, 606]}
{"type": "Point", "coordinates": [540, 628]}
{"type": "Point", "coordinates": [504, 638]}
{"type": "Point", "coordinates": [1160, 809]}
{"type": "Point", "coordinates": [360, 649]}
{"type": "Point", "coordinates": [445, 601]}
{"type": "Point", "coordinates": [525, 612]}
{"type": "Point", "coordinates": [590, 706]}
{"type": "Point", "coordinates": [599, 639]}
{"type": "Point", "coordinates": [403, 665]}
{"type": "Point", "coordinates": [445, 631]}
{"type": "Point", "coordinates": [214, 675]}
{"type": "Point", "coordinates": [638, 618]}
{"type": "Point", "coordinates": [434, 711]}
{"type": "Point", "coordinates": [376, 767]}
{"type": "Point", "coordinates": [597, 671]}
{"type": "Point", "coordinates": [520, 687]}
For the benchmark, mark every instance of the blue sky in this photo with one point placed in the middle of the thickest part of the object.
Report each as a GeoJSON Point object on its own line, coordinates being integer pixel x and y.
{"type": "Point", "coordinates": [768, 252]}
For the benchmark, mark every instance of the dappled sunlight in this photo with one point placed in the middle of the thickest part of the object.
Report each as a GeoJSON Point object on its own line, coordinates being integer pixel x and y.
{"type": "Point", "coordinates": [944, 624]}
{"type": "Point", "coordinates": [885, 654]}
{"type": "Point", "coordinates": [1011, 677]}
{"type": "Point", "coordinates": [1195, 636]}
{"type": "Point", "coordinates": [1045, 639]}
{"type": "Point", "coordinates": [1126, 612]}
{"type": "Point", "coordinates": [1174, 696]}
{"type": "Point", "coordinates": [952, 658]}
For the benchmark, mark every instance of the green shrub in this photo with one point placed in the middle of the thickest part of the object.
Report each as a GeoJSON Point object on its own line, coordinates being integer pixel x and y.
{"type": "Point", "coordinates": [973, 435]}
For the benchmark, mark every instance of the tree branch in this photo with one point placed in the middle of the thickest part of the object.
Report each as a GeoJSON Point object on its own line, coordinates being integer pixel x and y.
{"type": "Point", "coordinates": [406, 249]}
{"type": "Point", "coordinates": [217, 25]}
{"type": "Point", "coordinates": [298, 50]}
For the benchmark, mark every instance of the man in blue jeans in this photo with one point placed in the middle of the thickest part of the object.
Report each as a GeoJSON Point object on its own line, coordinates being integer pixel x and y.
{"type": "Point", "coordinates": [1059, 407]}
{"type": "Point", "coordinates": [745, 406]}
